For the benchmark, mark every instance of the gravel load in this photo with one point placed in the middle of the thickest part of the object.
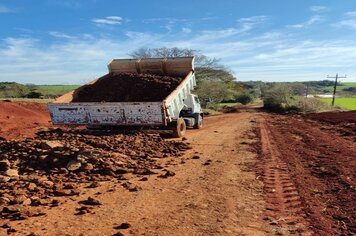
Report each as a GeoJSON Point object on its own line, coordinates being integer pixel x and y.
{"type": "Point", "coordinates": [127, 87]}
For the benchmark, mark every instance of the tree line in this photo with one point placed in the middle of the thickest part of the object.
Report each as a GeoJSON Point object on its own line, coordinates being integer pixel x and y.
{"type": "Point", "coordinates": [215, 83]}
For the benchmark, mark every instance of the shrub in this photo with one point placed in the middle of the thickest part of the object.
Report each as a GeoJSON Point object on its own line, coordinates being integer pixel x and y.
{"type": "Point", "coordinates": [311, 105]}
{"type": "Point", "coordinates": [244, 98]}
{"type": "Point", "coordinates": [34, 94]}
{"type": "Point", "coordinates": [278, 98]}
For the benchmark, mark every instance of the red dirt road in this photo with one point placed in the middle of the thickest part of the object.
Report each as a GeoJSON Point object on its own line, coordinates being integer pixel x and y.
{"type": "Point", "coordinates": [213, 193]}
{"type": "Point", "coordinates": [20, 120]}
{"type": "Point", "coordinates": [249, 173]}
{"type": "Point", "coordinates": [313, 169]}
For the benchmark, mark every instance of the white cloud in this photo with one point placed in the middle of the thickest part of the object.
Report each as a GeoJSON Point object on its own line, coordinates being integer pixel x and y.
{"type": "Point", "coordinates": [275, 55]}
{"type": "Point", "coordinates": [166, 22]}
{"type": "Point", "coordinates": [4, 9]}
{"type": "Point", "coordinates": [172, 24]}
{"type": "Point", "coordinates": [253, 19]}
{"type": "Point", "coordinates": [164, 19]}
{"type": "Point", "coordinates": [349, 21]}
{"type": "Point", "coordinates": [71, 61]}
{"type": "Point", "coordinates": [351, 14]}
{"type": "Point", "coordinates": [109, 20]}
{"type": "Point", "coordinates": [61, 35]}
{"type": "Point", "coordinates": [186, 30]}
{"type": "Point", "coordinates": [313, 20]}
{"type": "Point", "coordinates": [250, 22]}
{"type": "Point", "coordinates": [319, 9]}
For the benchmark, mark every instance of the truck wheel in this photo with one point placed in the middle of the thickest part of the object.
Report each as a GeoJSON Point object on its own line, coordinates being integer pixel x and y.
{"type": "Point", "coordinates": [199, 122]}
{"type": "Point", "coordinates": [179, 129]}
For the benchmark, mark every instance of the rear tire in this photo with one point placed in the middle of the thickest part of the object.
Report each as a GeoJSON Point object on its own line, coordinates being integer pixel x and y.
{"type": "Point", "coordinates": [179, 129]}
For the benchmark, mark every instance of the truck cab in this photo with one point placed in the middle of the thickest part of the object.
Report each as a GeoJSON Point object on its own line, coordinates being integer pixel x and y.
{"type": "Point", "coordinates": [192, 112]}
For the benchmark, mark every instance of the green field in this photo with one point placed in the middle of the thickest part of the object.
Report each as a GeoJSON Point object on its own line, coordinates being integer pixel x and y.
{"type": "Point", "coordinates": [341, 87]}
{"type": "Point", "coordinates": [346, 103]}
{"type": "Point", "coordinates": [16, 90]}
{"type": "Point", "coordinates": [38, 100]}
{"type": "Point", "coordinates": [55, 89]}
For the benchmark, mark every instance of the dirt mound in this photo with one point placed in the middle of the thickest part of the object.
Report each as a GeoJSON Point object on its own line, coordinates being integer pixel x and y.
{"type": "Point", "coordinates": [33, 171]}
{"type": "Point", "coordinates": [127, 87]}
{"type": "Point", "coordinates": [340, 123]}
{"type": "Point", "coordinates": [334, 117]}
{"type": "Point", "coordinates": [22, 119]}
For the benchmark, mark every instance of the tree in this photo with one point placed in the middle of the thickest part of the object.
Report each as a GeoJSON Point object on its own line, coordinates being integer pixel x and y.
{"type": "Point", "coordinates": [13, 90]}
{"type": "Point", "coordinates": [200, 59]}
{"type": "Point", "coordinates": [208, 72]}
{"type": "Point", "coordinates": [213, 91]}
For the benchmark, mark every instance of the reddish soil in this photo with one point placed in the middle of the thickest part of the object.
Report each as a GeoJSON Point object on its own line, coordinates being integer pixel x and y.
{"type": "Point", "coordinates": [334, 117]}
{"type": "Point", "coordinates": [126, 87]}
{"type": "Point", "coordinates": [243, 173]}
{"type": "Point", "coordinates": [339, 123]}
{"type": "Point", "coordinates": [20, 120]}
{"type": "Point", "coordinates": [209, 190]}
{"type": "Point", "coordinates": [318, 170]}
{"type": "Point", "coordinates": [284, 206]}
{"type": "Point", "coordinates": [55, 162]}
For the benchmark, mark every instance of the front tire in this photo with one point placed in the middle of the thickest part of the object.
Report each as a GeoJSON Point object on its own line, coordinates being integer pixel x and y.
{"type": "Point", "coordinates": [199, 122]}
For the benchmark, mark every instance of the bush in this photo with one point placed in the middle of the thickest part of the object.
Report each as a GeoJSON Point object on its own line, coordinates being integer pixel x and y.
{"type": "Point", "coordinates": [279, 98]}
{"type": "Point", "coordinates": [244, 98]}
{"type": "Point", "coordinates": [12, 90]}
{"type": "Point", "coordinates": [34, 94]}
{"type": "Point", "coordinates": [213, 91]}
{"type": "Point", "coordinates": [311, 105]}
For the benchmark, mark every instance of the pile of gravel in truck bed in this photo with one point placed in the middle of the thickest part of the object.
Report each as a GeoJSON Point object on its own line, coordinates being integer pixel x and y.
{"type": "Point", "coordinates": [127, 87]}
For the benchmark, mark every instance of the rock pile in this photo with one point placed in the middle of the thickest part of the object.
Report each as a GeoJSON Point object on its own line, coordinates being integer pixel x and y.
{"type": "Point", "coordinates": [33, 171]}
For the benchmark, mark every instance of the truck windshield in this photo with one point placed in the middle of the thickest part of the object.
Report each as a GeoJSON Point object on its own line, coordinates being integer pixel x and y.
{"type": "Point", "coordinates": [196, 99]}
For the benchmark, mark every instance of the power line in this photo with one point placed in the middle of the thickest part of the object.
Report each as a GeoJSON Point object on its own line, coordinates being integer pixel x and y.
{"type": "Point", "coordinates": [335, 84]}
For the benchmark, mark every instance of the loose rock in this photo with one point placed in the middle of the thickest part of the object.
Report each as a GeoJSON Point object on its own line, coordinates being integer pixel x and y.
{"type": "Point", "coordinates": [74, 165]}
{"type": "Point", "coordinates": [12, 173]}
{"type": "Point", "coordinates": [91, 201]}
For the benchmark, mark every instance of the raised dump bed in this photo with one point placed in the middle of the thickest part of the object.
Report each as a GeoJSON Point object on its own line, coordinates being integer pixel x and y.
{"type": "Point", "coordinates": [145, 92]}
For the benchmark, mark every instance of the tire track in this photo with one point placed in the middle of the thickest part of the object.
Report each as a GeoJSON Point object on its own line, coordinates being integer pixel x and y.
{"type": "Point", "coordinates": [284, 209]}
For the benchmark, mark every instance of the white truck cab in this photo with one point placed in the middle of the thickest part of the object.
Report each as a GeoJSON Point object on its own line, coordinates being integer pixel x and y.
{"type": "Point", "coordinates": [192, 112]}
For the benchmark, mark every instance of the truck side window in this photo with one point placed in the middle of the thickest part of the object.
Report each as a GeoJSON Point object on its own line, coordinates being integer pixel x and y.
{"type": "Point", "coordinates": [196, 99]}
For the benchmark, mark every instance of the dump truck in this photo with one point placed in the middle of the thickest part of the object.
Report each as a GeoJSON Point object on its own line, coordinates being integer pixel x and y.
{"type": "Point", "coordinates": [178, 110]}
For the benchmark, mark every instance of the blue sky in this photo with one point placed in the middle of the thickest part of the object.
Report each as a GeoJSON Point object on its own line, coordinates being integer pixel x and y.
{"type": "Point", "coordinates": [70, 41]}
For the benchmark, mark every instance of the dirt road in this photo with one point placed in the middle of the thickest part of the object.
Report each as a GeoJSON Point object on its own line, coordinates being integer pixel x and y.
{"type": "Point", "coordinates": [248, 173]}
{"type": "Point", "coordinates": [309, 172]}
{"type": "Point", "coordinates": [213, 192]}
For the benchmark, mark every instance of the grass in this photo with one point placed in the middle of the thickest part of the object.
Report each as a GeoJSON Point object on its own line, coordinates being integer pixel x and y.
{"type": "Point", "coordinates": [346, 103]}
{"type": "Point", "coordinates": [228, 104]}
{"type": "Point", "coordinates": [38, 100]}
{"type": "Point", "coordinates": [341, 87]}
{"type": "Point", "coordinates": [55, 89]}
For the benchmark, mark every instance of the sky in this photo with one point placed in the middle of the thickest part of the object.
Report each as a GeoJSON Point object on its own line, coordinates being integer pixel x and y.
{"type": "Point", "coordinates": [71, 41]}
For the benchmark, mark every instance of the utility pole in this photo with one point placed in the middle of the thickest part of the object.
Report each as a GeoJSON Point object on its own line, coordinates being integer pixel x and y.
{"type": "Point", "coordinates": [335, 84]}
